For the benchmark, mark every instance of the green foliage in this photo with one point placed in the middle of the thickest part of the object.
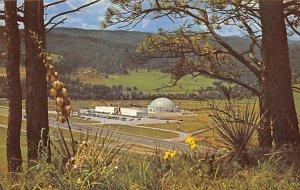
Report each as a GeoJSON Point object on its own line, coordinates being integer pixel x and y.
{"type": "Point", "coordinates": [236, 126]}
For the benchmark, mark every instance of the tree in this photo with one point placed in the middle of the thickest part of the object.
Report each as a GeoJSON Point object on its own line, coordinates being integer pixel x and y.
{"type": "Point", "coordinates": [277, 72]}
{"type": "Point", "coordinates": [36, 84]}
{"type": "Point", "coordinates": [198, 49]}
{"type": "Point", "coordinates": [13, 150]}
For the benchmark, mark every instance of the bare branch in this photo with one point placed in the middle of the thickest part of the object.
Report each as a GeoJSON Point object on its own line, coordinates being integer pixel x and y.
{"type": "Point", "coordinates": [54, 3]}
{"type": "Point", "coordinates": [54, 25]}
{"type": "Point", "coordinates": [230, 79]}
{"type": "Point", "coordinates": [20, 19]}
{"type": "Point", "coordinates": [291, 3]}
{"type": "Point", "coordinates": [292, 27]}
{"type": "Point", "coordinates": [71, 11]}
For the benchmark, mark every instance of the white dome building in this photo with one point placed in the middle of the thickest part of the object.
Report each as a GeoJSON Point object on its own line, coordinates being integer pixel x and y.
{"type": "Point", "coordinates": [162, 105]}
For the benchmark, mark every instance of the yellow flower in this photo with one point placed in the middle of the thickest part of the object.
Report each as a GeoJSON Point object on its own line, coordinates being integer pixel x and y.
{"type": "Point", "coordinates": [167, 155]}
{"type": "Point", "coordinates": [190, 141]}
{"type": "Point", "coordinates": [173, 154]}
{"type": "Point", "coordinates": [79, 181]}
{"type": "Point", "coordinates": [193, 146]}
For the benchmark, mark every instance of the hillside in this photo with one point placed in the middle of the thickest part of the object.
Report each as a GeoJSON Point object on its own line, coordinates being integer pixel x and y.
{"type": "Point", "coordinates": [147, 82]}
{"type": "Point", "coordinates": [105, 51]}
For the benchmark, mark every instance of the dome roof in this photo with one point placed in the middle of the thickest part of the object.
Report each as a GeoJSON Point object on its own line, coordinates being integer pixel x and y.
{"type": "Point", "coordinates": [162, 103]}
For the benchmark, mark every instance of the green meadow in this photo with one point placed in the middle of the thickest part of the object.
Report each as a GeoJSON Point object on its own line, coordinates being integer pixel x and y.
{"type": "Point", "coordinates": [145, 81]}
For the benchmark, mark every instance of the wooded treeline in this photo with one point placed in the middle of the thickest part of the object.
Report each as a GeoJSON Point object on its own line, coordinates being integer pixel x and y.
{"type": "Point", "coordinates": [106, 52]}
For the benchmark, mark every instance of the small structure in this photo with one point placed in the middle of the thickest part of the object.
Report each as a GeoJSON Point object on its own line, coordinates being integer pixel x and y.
{"type": "Point", "coordinates": [134, 112]}
{"type": "Point", "coordinates": [105, 109]}
{"type": "Point", "coordinates": [162, 105]}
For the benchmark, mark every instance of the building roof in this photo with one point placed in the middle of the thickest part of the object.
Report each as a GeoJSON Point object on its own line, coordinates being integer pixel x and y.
{"type": "Point", "coordinates": [162, 103]}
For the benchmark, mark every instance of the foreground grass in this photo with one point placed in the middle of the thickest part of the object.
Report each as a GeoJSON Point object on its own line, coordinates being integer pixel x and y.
{"type": "Point", "coordinates": [185, 171]}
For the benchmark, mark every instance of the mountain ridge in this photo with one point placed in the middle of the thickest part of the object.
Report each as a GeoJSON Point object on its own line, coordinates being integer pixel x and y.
{"type": "Point", "coordinates": [106, 51]}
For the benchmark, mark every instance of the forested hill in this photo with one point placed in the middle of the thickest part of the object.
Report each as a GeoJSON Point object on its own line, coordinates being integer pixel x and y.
{"type": "Point", "coordinates": [105, 51]}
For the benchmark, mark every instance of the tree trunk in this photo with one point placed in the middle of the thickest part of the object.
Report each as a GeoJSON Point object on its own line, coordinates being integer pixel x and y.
{"type": "Point", "coordinates": [36, 84]}
{"type": "Point", "coordinates": [13, 150]}
{"type": "Point", "coordinates": [264, 132]}
{"type": "Point", "coordinates": [277, 69]}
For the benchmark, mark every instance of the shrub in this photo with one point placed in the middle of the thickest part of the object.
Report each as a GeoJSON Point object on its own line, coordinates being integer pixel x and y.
{"type": "Point", "coordinates": [93, 166]}
{"type": "Point", "coordinates": [236, 126]}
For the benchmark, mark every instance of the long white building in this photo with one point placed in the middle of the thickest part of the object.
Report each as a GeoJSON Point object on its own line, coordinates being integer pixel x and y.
{"type": "Point", "coordinates": [105, 109]}
{"type": "Point", "coordinates": [134, 112]}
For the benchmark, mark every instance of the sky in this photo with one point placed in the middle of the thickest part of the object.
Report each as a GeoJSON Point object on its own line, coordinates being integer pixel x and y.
{"type": "Point", "coordinates": [91, 17]}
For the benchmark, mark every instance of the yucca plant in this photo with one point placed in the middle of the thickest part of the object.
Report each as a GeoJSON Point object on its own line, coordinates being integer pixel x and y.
{"type": "Point", "coordinates": [93, 166]}
{"type": "Point", "coordinates": [236, 126]}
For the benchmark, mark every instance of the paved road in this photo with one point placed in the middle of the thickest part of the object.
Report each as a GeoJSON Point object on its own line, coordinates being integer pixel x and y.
{"type": "Point", "coordinates": [127, 137]}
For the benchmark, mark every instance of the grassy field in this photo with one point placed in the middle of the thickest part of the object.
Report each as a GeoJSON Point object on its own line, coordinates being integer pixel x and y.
{"type": "Point", "coordinates": [3, 162]}
{"type": "Point", "coordinates": [146, 82]}
{"type": "Point", "coordinates": [3, 121]}
{"type": "Point", "coordinates": [297, 101]}
{"type": "Point", "coordinates": [71, 119]}
{"type": "Point", "coordinates": [2, 71]}
{"type": "Point", "coordinates": [22, 71]}
{"type": "Point", "coordinates": [189, 124]}
{"type": "Point", "coordinates": [3, 134]}
{"type": "Point", "coordinates": [141, 131]}
{"type": "Point", "coordinates": [55, 58]}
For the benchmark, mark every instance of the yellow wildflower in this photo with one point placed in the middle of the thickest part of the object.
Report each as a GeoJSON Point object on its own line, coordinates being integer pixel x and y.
{"type": "Point", "coordinates": [190, 141]}
{"type": "Point", "coordinates": [173, 154]}
{"type": "Point", "coordinates": [167, 155]}
{"type": "Point", "coordinates": [193, 146]}
{"type": "Point", "coordinates": [79, 181]}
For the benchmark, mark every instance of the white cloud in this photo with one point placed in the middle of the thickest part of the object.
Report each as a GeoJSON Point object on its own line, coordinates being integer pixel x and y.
{"type": "Point", "coordinates": [100, 18]}
{"type": "Point", "coordinates": [70, 4]}
{"type": "Point", "coordinates": [95, 8]}
{"type": "Point", "coordinates": [90, 26]}
{"type": "Point", "coordinates": [145, 23]}
{"type": "Point", "coordinates": [74, 20]}
{"type": "Point", "coordinates": [230, 31]}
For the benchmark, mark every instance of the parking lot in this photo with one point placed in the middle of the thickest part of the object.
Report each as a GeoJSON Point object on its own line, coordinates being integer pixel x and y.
{"type": "Point", "coordinates": [90, 114]}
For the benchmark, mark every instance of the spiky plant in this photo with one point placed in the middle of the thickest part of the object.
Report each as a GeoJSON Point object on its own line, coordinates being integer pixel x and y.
{"type": "Point", "coordinates": [94, 165]}
{"type": "Point", "coordinates": [236, 126]}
